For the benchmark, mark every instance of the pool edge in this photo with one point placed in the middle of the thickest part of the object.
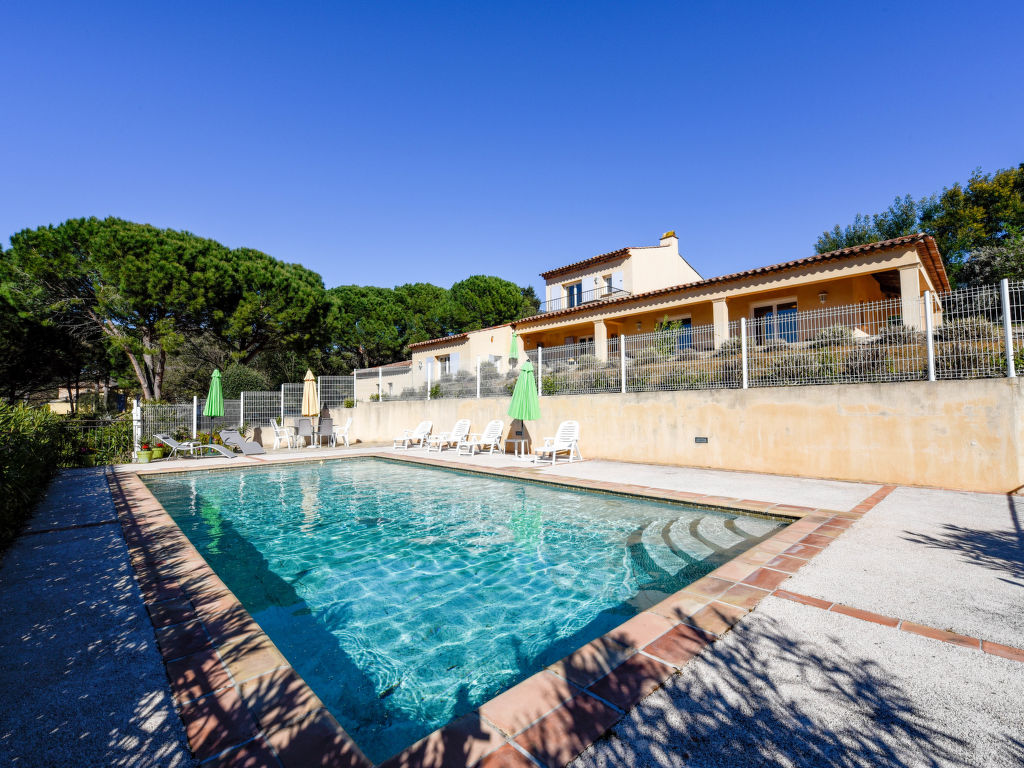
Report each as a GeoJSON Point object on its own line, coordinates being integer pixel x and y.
{"type": "Point", "coordinates": [588, 691]}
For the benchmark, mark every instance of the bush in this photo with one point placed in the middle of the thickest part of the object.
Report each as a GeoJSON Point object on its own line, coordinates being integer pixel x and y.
{"type": "Point", "coordinates": [238, 378]}
{"type": "Point", "coordinates": [349, 403]}
{"type": "Point", "coordinates": [834, 336]}
{"type": "Point", "coordinates": [731, 346]}
{"type": "Point", "coordinates": [33, 443]}
{"type": "Point", "coordinates": [967, 329]}
{"type": "Point", "coordinates": [899, 336]}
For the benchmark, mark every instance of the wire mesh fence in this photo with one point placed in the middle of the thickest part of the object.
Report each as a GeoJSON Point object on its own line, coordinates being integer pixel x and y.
{"type": "Point", "coordinates": [679, 357]}
{"type": "Point", "coordinates": [260, 408]}
{"type": "Point", "coordinates": [969, 341]}
{"type": "Point", "coordinates": [334, 391]}
{"type": "Point", "coordinates": [175, 420]}
{"type": "Point", "coordinates": [232, 416]}
{"type": "Point", "coordinates": [291, 399]}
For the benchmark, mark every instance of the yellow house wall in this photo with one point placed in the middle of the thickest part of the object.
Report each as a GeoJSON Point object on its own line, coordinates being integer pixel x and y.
{"type": "Point", "coordinates": [965, 435]}
{"type": "Point", "coordinates": [482, 343]}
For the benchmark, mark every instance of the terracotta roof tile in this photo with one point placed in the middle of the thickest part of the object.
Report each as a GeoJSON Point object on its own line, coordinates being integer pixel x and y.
{"type": "Point", "coordinates": [610, 256]}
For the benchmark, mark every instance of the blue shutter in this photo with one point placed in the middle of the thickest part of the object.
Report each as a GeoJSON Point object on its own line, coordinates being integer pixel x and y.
{"type": "Point", "coordinates": [454, 362]}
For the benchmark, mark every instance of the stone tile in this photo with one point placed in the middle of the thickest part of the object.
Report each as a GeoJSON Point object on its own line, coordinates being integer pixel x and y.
{"type": "Point", "coordinates": [196, 675]}
{"type": "Point", "coordinates": [786, 563]}
{"type": "Point", "coordinates": [506, 757]}
{"type": "Point", "coordinates": [744, 596]}
{"type": "Point", "coordinates": [566, 732]}
{"type": "Point", "coordinates": [170, 612]}
{"type": "Point", "coordinates": [772, 545]}
{"type": "Point", "coordinates": [230, 624]}
{"type": "Point", "coordinates": [839, 522]}
{"type": "Point", "coordinates": [521, 705]}
{"type": "Point", "coordinates": [180, 640]}
{"type": "Point", "coordinates": [457, 745]}
{"type": "Point", "coordinates": [757, 506]}
{"type": "Point", "coordinates": [803, 599]}
{"type": "Point", "coordinates": [631, 681]}
{"type": "Point", "coordinates": [736, 570]}
{"type": "Point", "coordinates": [802, 550]}
{"type": "Point", "coordinates": [831, 531]}
{"type": "Point", "coordinates": [857, 613]}
{"type": "Point", "coordinates": [679, 645]}
{"type": "Point", "coordinates": [316, 741]}
{"type": "Point", "coordinates": [254, 754]}
{"type": "Point", "coordinates": [641, 629]}
{"type": "Point", "coordinates": [709, 587]}
{"type": "Point", "coordinates": [816, 540]}
{"type": "Point", "coordinates": [1006, 651]}
{"type": "Point", "coordinates": [210, 603]}
{"type": "Point", "coordinates": [716, 617]}
{"type": "Point", "coordinates": [251, 656]}
{"type": "Point", "coordinates": [679, 606]}
{"type": "Point", "coordinates": [765, 578]}
{"type": "Point", "coordinates": [592, 661]}
{"type": "Point", "coordinates": [278, 697]}
{"type": "Point", "coordinates": [941, 634]}
{"type": "Point", "coordinates": [216, 722]}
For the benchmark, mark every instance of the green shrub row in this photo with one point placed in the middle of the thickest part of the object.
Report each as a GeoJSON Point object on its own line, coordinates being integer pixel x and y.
{"type": "Point", "coordinates": [33, 443]}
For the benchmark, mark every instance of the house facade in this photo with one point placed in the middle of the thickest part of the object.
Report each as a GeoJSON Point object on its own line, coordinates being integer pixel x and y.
{"type": "Point", "coordinates": [629, 291]}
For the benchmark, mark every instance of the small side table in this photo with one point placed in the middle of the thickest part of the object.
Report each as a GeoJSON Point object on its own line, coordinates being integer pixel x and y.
{"type": "Point", "coordinates": [519, 445]}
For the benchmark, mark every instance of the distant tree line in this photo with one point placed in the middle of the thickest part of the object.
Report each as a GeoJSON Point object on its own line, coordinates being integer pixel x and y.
{"type": "Point", "coordinates": [158, 309]}
{"type": "Point", "coordinates": [979, 227]}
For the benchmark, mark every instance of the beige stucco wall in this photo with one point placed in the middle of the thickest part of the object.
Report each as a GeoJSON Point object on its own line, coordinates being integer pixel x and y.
{"type": "Point", "coordinates": [953, 434]}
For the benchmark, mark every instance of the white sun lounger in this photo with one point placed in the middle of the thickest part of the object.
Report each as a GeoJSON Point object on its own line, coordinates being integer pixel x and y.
{"type": "Point", "coordinates": [566, 440]}
{"type": "Point", "coordinates": [414, 436]}
{"type": "Point", "coordinates": [489, 439]}
{"type": "Point", "coordinates": [194, 448]}
{"type": "Point", "coordinates": [449, 439]}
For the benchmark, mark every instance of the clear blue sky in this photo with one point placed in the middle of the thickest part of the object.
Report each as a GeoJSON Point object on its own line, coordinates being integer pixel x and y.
{"type": "Point", "coordinates": [382, 143]}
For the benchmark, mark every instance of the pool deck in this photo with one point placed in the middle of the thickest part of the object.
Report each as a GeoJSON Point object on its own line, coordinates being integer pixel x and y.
{"type": "Point", "coordinates": [882, 628]}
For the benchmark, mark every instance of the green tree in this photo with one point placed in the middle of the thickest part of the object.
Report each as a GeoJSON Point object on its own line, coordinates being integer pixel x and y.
{"type": "Point", "coordinates": [484, 301]}
{"type": "Point", "coordinates": [429, 312]}
{"type": "Point", "coordinates": [238, 378]}
{"type": "Point", "coordinates": [991, 263]}
{"type": "Point", "coordinates": [366, 325]}
{"type": "Point", "coordinates": [899, 219]}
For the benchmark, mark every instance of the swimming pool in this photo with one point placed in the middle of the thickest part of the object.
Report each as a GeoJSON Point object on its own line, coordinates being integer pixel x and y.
{"type": "Point", "coordinates": [409, 595]}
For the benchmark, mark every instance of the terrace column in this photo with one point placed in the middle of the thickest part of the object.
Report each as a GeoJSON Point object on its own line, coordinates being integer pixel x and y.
{"type": "Point", "coordinates": [600, 340]}
{"type": "Point", "coordinates": [720, 313]}
{"type": "Point", "coordinates": [910, 298]}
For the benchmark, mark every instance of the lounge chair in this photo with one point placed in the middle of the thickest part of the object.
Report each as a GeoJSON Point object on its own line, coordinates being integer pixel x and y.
{"type": "Point", "coordinates": [450, 439]}
{"type": "Point", "coordinates": [489, 439]}
{"type": "Point", "coordinates": [342, 432]}
{"type": "Point", "coordinates": [566, 440]}
{"type": "Point", "coordinates": [304, 429]}
{"type": "Point", "coordinates": [325, 429]}
{"type": "Point", "coordinates": [414, 436]}
{"type": "Point", "coordinates": [235, 440]}
{"type": "Point", "coordinates": [194, 448]}
{"type": "Point", "coordinates": [282, 435]}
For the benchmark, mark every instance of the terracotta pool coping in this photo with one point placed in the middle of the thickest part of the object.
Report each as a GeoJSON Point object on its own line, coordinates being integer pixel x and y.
{"type": "Point", "coordinates": [243, 704]}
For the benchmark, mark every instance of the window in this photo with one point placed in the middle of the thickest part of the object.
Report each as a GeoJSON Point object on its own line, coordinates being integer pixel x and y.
{"type": "Point", "coordinates": [444, 365]}
{"type": "Point", "coordinates": [607, 285]}
{"type": "Point", "coordinates": [778, 321]}
{"type": "Point", "coordinates": [574, 294]}
{"type": "Point", "coordinates": [685, 338]}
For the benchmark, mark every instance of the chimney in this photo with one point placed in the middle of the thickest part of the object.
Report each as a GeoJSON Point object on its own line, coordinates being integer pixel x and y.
{"type": "Point", "coordinates": [670, 240]}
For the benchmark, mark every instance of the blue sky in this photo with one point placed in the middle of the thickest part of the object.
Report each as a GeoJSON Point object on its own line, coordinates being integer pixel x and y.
{"type": "Point", "coordinates": [382, 143]}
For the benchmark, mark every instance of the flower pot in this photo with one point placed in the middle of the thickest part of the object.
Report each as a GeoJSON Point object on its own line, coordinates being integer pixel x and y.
{"type": "Point", "coordinates": [145, 456]}
{"type": "Point", "coordinates": [158, 453]}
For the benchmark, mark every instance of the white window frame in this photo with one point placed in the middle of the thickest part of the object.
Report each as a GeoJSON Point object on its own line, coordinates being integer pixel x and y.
{"type": "Point", "coordinates": [444, 365]}
{"type": "Point", "coordinates": [774, 304]}
{"type": "Point", "coordinates": [565, 292]}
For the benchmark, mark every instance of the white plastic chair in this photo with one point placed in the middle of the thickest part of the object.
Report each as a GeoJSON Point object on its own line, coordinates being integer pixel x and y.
{"type": "Point", "coordinates": [415, 436]}
{"type": "Point", "coordinates": [566, 440]}
{"type": "Point", "coordinates": [282, 435]}
{"type": "Point", "coordinates": [490, 439]}
{"type": "Point", "coordinates": [449, 439]}
{"type": "Point", "coordinates": [341, 433]}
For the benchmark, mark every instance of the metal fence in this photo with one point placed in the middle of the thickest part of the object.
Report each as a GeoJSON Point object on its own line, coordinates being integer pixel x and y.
{"type": "Point", "coordinates": [335, 390]}
{"type": "Point", "coordinates": [961, 334]}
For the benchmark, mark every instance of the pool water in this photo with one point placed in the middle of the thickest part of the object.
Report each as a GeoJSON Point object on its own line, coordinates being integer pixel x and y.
{"type": "Point", "coordinates": [407, 596]}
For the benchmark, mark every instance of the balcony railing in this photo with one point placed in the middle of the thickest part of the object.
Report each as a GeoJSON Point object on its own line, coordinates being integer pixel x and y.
{"type": "Point", "coordinates": [587, 297]}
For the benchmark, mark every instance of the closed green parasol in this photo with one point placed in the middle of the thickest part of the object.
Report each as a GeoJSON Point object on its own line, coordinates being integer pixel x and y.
{"type": "Point", "coordinates": [525, 403]}
{"type": "Point", "coordinates": [214, 407]}
{"type": "Point", "coordinates": [513, 348]}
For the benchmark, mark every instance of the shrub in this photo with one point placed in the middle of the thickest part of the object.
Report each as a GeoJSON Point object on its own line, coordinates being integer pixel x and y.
{"type": "Point", "coordinates": [866, 362]}
{"type": "Point", "coordinates": [238, 378]}
{"type": "Point", "coordinates": [33, 443]}
{"type": "Point", "coordinates": [834, 336]}
{"type": "Point", "coordinates": [731, 346]}
{"type": "Point", "coordinates": [349, 403]}
{"type": "Point", "coordinates": [899, 336]}
{"type": "Point", "coordinates": [967, 329]}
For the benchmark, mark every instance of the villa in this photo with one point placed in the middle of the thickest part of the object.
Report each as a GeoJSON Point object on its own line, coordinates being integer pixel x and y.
{"type": "Point", "coordinates": [594, 302]}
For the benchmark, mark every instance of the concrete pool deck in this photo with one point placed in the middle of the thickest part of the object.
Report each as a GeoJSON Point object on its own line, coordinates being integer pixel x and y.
{"type": "Point", "coordinates": [814, 658]}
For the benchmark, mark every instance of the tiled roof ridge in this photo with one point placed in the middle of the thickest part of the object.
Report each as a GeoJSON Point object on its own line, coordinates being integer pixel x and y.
{"type": "Point", "coordinates": [593, 260]}
{"type": "Point", "coordinates": [456, 336]}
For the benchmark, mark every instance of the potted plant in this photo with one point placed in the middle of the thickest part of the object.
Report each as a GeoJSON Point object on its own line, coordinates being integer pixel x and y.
{"type": "Point", "coordinates": [158, 451]}
{"type": "Point", "coordinates": [145, 454]}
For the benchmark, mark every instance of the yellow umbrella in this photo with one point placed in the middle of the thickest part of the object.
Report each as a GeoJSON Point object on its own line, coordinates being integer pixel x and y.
{"type": "Point", "coordinates": [310, 401]}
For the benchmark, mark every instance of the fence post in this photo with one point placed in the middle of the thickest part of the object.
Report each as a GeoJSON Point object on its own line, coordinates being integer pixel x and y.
{"type": "Point", "coordinates": [929, 334]}
{"type": "Point", "coordinates": [136, 427]}
{"type": "Point", "coordinates": [241, 410]}
{"type": "Point", "coordinates": [195, 416]}
{"type": "Point", "coordinates": [1011, 364]}
{"type": "Point", "coordinates": [380, 383]}
{"type": "Point", "coordinates": [430, 369]}
{"type": "Point", "coordinates": [282, 405]}
{"type": "Point", "coordinates": [540, 378]}
{"type": "Point", "coordinates": [355, 380]}
{"type": "Point", "coordinates": [743, 351]}
{"type": "Point", "coordinates": [478, 377]}
{"type": "Point", "coordinates": [622, 362]}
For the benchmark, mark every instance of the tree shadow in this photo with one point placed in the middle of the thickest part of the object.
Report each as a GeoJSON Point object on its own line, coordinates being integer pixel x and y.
{"type": "Point", "coordinates": [1001, 550]}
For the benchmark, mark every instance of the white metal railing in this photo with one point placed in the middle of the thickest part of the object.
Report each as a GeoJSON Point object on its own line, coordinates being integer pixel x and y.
{"type": "Point", "coordinates": [585, 297]}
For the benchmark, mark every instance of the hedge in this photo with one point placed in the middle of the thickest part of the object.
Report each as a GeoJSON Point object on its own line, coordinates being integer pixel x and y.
{"type": "Point", "coordinates": [32, 446]}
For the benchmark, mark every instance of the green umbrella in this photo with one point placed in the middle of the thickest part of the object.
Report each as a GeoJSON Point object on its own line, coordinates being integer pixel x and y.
{"type": "Point", "coordinates": [214, 400]}
{"type": "Point", "coordinates": [525, 403]}
{"type": "Point", "coordinates": [513, 349]}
